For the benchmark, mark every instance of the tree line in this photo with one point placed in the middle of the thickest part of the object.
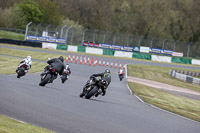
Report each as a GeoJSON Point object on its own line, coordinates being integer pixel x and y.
{"type": "Point", "coordinates": [171, 19]}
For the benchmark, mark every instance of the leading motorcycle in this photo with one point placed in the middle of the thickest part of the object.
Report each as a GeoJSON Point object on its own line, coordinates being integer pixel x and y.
{"type": "Point", "coordinates": [93, 87]}
{"type": "Point", "coordinates": [121, 76]}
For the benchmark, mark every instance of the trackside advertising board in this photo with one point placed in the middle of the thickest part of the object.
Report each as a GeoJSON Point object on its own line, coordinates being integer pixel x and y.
{"type": "Point", "coordinates": [46, 39]}
{"type": "Point", "coordinates": [160, 51]}
{"type": "Point", "coordinates": [112, 47]}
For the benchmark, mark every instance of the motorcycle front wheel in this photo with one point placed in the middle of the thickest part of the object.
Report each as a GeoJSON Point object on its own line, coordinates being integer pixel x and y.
{"type": "Point", "coordinates": [45, 80]}
{"type": "Point", "coordinates": [92, 92]}
{"type": "Point", "coordinates": [20, 73]}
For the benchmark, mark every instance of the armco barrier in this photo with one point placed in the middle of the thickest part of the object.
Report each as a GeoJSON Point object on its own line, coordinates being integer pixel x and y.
{"type": "Point", "coordinates": [108, 52]}
{"type": "Point", "coordinates": [62, 47]}
{"type": "Point", "coordinates": [49, 45]}
{"type": "Point", "coordinates": [21, 43]}
{"type": "Point", "coordinates": [181, 60]}
{"type": "Point", "coordinates": [184, 77]}
{"type": "Point", "coordinates": [81, 49]}
{"type": "Point", "coordinates": [195, 62]}
{"type": "Point", "coordinates": [161, 58]}
{"type": "Point", "coordinates": [102, 51]}
{"type": "Point", "coordinates": [72, 48]}
{"type": "Point", "coordinates": [141, 56]}
{"type": "Point", "coordinates": [123, 54]}
{"type": "Point", "coordinates": [94, 50]}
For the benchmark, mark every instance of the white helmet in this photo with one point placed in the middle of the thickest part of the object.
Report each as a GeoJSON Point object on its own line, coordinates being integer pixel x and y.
{"type": "Point", "coordinates": [29, 57]}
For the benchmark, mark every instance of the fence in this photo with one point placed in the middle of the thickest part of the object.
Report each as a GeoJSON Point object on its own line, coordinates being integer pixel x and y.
{"type": "Point", "coordinates": [75, 36]}
{"type": "Point", "coordinates": [184, 77]}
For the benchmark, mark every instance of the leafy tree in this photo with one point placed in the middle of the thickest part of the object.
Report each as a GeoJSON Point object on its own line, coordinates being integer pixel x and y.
{"type": "Point", "coordinates": [28, 11]}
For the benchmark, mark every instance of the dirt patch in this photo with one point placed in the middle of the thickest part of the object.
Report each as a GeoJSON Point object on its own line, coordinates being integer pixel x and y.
{"type": "Point", "coordinates": [166, 87]}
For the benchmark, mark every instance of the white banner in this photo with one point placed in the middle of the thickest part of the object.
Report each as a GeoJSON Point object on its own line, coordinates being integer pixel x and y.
{"type": "Point", "coordinates": [49, 45]}
{"type": "Point", "coordinates": [195, 62]}
{"type": "Point", "coordinates": [144, 49]}
{"type": "Point", "coordinates": [94, 50]}
{"type": "Point", "coordinates": [72, 48]}
{"type": "Point", "coordinates": [161, 58]}
{"type": "Point", "coordinates": [177, 54]}
{"type": "Point", "coordinates": [123, 54]}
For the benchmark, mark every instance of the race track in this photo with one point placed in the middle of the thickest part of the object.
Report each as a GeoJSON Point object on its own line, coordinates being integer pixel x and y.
{"type": "Point", "coordinates": [59, 108]}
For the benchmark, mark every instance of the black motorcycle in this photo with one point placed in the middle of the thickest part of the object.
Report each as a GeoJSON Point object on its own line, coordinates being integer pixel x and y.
{"type": "Point", "coordinates": [21, 70]}
{"type": "Point", "coordinates": [121, 76]}
{"type": "Point", "coordinates": [93, 87]}
{"type": "Point", "coordinates": [65, 76]}
{"type": "Point", "coordinates": [48, 76]}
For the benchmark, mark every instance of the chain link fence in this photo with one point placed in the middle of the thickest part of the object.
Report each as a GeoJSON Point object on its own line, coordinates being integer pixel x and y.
{"type": "Point", "coordinates": [75, 36]}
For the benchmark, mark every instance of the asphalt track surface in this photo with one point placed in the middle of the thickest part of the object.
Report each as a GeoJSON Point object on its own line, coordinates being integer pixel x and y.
{"type": "Point", "coordinates": [59, 108]}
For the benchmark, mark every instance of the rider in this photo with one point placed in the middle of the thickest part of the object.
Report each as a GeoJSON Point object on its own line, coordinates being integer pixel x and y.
{"type": "Point", "coordinates": [67, 68]}
{"type": "Point", "coordinates": [107, 77]}
{"type": "Point", "coordinates": [56, 63]}
{"type": "Point", "coordinates": [27, 61]}
{"type": "Point", "coordinates": [121, 72]}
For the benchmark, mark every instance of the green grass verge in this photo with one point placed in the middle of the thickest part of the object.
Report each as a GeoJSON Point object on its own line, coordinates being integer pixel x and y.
{"type": "Point", "coordinates": [8, 125]}
{"type": "Point", "coordinates": [177, 104]}
{"type": "Point", "coordinates": [34, 55]}
{"type": "Point", "coordinates": [11, 35]}
{"type": "Point", "coordinates": [8, 65]}
{"type": "Point", "coordinates": [160, 74]}
{"type": "Point", "coordinates": [69, 52]}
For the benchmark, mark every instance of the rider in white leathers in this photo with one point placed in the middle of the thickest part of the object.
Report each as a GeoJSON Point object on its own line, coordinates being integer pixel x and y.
{"type": "Point", "coordinates": [27, 61]}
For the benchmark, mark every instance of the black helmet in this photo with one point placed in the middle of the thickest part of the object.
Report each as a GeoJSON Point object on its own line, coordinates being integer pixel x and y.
{"type": "Point", "coordinates": [61, 58]}
{"type": "Point", "coordinates": [107, 71]}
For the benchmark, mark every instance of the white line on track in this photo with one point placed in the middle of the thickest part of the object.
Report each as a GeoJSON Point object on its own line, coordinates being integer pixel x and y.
{"type": "Point", "coordinates": [153, 105]}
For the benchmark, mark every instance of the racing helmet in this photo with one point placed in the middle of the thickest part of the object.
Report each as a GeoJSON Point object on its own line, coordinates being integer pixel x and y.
{"type": "Point", "coordinates": [107, 71]}
{"type": "Point", "coordinates": [28, 57]}
{"type": "Point", "coordinates": [61, 58]}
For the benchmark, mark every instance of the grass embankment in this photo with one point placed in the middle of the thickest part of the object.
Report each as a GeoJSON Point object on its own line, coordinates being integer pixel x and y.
{"type": "Point", "coordinates": [177, 104]}
{"type": "Point", "coordinates": [180, 105]}
{"type": "Point", "coordinates": [8, 65]}
{"type": "Point", "coordinates": [11, 35]}
{"type": "Point", "coordinates": [160, 74]}
{"type": "Point", "coordinates": [8, 125]}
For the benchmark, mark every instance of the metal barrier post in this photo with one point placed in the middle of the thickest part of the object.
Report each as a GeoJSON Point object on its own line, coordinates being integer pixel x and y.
{"type": "Point", "coordinates": [27, 29]}
{"type": "Point", "coordinates": [72, 36]}
{"type": "Point", "coordinates": [61, 34]}
{"type": "Point", "coordinates": [37, 29]}
{"type": "Point", "coordinates": [66, 34]}
{"type": "Point", "coordinates": [83, 37]}
{"type": "Point", "coordinates": [175, 45]}
{"type": "Point", "coordinates": [163, 46]}
{"type": "Point", "coordinates": [188, 51]}
{"type": "Point", "coordinates": [152, 42]}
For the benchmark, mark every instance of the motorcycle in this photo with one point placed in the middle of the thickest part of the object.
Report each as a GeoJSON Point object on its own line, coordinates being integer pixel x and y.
{"type": "Point", "coordinates": [49, 76]}
{"type": "Point", "coordinates": [21, 70]}
{"type": "Point", "coordinates": [65, 76]}
{"type": "Point", "coordinates": [121, 76]}
{"type": "Point", "coordinates": [93, 87]}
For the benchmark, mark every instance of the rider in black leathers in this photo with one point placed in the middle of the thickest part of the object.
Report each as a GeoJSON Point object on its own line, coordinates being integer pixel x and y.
{"type": "Point", "coordinates": [56, 63]}
{"type": "Point", "coordinates": [107, 77]}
